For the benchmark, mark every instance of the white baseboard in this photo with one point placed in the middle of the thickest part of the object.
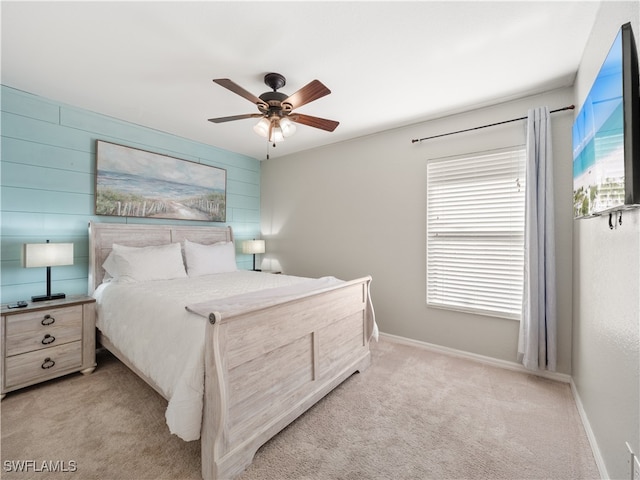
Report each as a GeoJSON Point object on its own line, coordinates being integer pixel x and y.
{"type": "Point", "coordinates": [560, 377]}
{"type": "Point", "coordinates": [590, 435]}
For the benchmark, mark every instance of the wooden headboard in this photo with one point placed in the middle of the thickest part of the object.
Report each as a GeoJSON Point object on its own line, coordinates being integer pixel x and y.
{"type": "Point", "coordinates": [103, 235]}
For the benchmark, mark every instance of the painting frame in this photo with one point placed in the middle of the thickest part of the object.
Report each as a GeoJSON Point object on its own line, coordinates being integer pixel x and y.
{"type": "Point", "coordinates": [131, 182]}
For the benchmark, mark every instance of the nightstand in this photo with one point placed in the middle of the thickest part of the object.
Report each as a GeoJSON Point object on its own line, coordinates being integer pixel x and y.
{"type": "Point", "coordinates": [45, 340]}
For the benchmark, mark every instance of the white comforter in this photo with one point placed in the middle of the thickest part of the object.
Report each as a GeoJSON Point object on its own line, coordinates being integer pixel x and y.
{"type": "Point", "coordinates": [149, 323]}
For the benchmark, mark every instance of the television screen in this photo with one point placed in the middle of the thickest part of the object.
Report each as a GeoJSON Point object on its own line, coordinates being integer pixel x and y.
{"type": "Point", "coordinates": [603, 156]}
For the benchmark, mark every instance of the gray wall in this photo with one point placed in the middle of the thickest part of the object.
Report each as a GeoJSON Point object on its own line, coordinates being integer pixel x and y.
{"type": "Point", "coordinates": [358, 208]}
{"type": "Point", "coordinates": [606, 343]}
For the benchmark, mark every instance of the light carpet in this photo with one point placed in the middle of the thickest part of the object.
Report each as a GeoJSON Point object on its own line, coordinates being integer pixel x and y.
{"type": "Point", "coordinates": [414, 414]}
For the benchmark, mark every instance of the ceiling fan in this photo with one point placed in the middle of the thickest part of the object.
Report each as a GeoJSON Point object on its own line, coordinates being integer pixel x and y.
{"type": "Point", "coordinates": [276, 108]}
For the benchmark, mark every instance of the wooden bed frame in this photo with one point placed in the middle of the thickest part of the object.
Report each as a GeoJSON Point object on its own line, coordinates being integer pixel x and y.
{"type": "Point", "coordinates": [265, 367]}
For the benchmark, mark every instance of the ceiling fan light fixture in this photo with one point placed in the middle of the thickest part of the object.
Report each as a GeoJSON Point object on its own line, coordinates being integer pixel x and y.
{"type": "Point", "coordinates": [287, 126]}
{"type": "Point", "coordinates": [276, 131]}
{"type": "Point", "coordinates": [262, 127]}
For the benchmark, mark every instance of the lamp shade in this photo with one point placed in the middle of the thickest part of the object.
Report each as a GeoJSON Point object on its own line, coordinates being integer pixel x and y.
{"type": "Point", "coordinates": [276, 135]}
{"type": "Point", "coordinates": [288, 127]}
{"type": "Point", "coordinates": [253, 246]}
{"type": "Point", "coordinates": [47, 254]}
{"type": "Point", "coordinates": [262, 127]}
{"type": "Point", "coordinates": [274, 128]}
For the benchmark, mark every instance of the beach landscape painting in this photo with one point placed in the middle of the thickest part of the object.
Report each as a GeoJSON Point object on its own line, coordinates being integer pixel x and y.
{"type": "Point", "coordinates": [137, 183]}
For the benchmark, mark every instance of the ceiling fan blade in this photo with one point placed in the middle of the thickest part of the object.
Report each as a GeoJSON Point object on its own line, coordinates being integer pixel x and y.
{"type": "Point", "coordinates": [310, 92]}
{"type": "Point", "coordinates": [316, 122]}
{"type": "Point", "coordinates": [235, 117]}
{"type": "Point", "coordinates": [237, 89]}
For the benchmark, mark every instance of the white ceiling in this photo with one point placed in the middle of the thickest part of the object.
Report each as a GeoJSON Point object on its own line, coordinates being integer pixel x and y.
{"type": "Point", "coordinates": [388, 64]}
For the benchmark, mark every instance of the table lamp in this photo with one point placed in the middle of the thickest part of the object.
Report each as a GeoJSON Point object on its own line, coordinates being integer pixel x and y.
{"type": "Point", "coordinates": [47, 255]}
{"type": "Point", "coordinates": [252, 247]}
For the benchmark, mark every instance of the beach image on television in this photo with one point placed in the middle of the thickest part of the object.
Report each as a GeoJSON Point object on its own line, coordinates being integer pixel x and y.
{"type": "Point", "coordinates": [137, 183]}
{"type": "Point", "coordinates": [598, 141]}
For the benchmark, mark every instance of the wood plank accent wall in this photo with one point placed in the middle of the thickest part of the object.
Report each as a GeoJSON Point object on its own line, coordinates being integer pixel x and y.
{"type": "Point", "coordinates": [47, 177]}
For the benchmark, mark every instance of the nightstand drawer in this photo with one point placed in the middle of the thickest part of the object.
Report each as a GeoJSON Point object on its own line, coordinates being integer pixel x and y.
{"type": "Point", "coordinates": [41, 365]}
{"type": "Point", "coordinates": [31, 331]}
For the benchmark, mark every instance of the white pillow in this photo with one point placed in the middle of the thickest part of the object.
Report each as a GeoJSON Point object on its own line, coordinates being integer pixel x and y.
{"type": "Point", "coordinates": [139, 264]}
{"type": "Point", "coordinates": [208, 259]}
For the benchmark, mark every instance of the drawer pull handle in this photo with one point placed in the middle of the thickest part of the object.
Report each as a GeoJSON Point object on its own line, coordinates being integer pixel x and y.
{"type": "Point", "coordinates": [48, 339]}
{"type": "Point", "coordinates": [48, 363]}
{"type": "Point", "coordinates": [47, 320]}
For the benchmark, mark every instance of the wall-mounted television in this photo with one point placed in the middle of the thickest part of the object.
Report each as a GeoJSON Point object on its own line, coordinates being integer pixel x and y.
{"type": "Point", "coordinates": [606, 135]}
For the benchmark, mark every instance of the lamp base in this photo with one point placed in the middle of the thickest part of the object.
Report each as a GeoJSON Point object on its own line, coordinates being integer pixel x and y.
{"type": "Point", "coordinates": [53, 296]}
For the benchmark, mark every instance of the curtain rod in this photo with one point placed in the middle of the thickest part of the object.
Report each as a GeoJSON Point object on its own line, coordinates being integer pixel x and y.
{"type": "Point", "coordinates": [570, 107]}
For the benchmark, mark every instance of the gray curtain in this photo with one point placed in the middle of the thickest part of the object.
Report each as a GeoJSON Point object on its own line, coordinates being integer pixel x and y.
{"type": "Point", "coordinates": [537, 339]}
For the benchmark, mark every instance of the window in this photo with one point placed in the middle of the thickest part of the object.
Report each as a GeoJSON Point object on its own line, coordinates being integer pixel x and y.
{"type": "Point", "coordinates": [475, 232]}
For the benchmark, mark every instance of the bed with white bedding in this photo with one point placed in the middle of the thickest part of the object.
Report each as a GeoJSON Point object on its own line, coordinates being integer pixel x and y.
{"type": "Point", "coordinates": [237, 354]}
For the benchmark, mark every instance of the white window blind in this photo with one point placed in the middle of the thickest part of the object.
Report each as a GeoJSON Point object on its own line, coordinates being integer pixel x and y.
{"type": "Point", "coordinates": [475, 232]}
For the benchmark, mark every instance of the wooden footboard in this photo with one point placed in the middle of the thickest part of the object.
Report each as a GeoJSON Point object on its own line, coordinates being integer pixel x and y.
{"type": "Point", "coordinates": [266, 367]}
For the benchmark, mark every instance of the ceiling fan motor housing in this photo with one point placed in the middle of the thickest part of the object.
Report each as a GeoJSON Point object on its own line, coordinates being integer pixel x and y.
{"type": "Point", "coordinates": [274, 100]}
